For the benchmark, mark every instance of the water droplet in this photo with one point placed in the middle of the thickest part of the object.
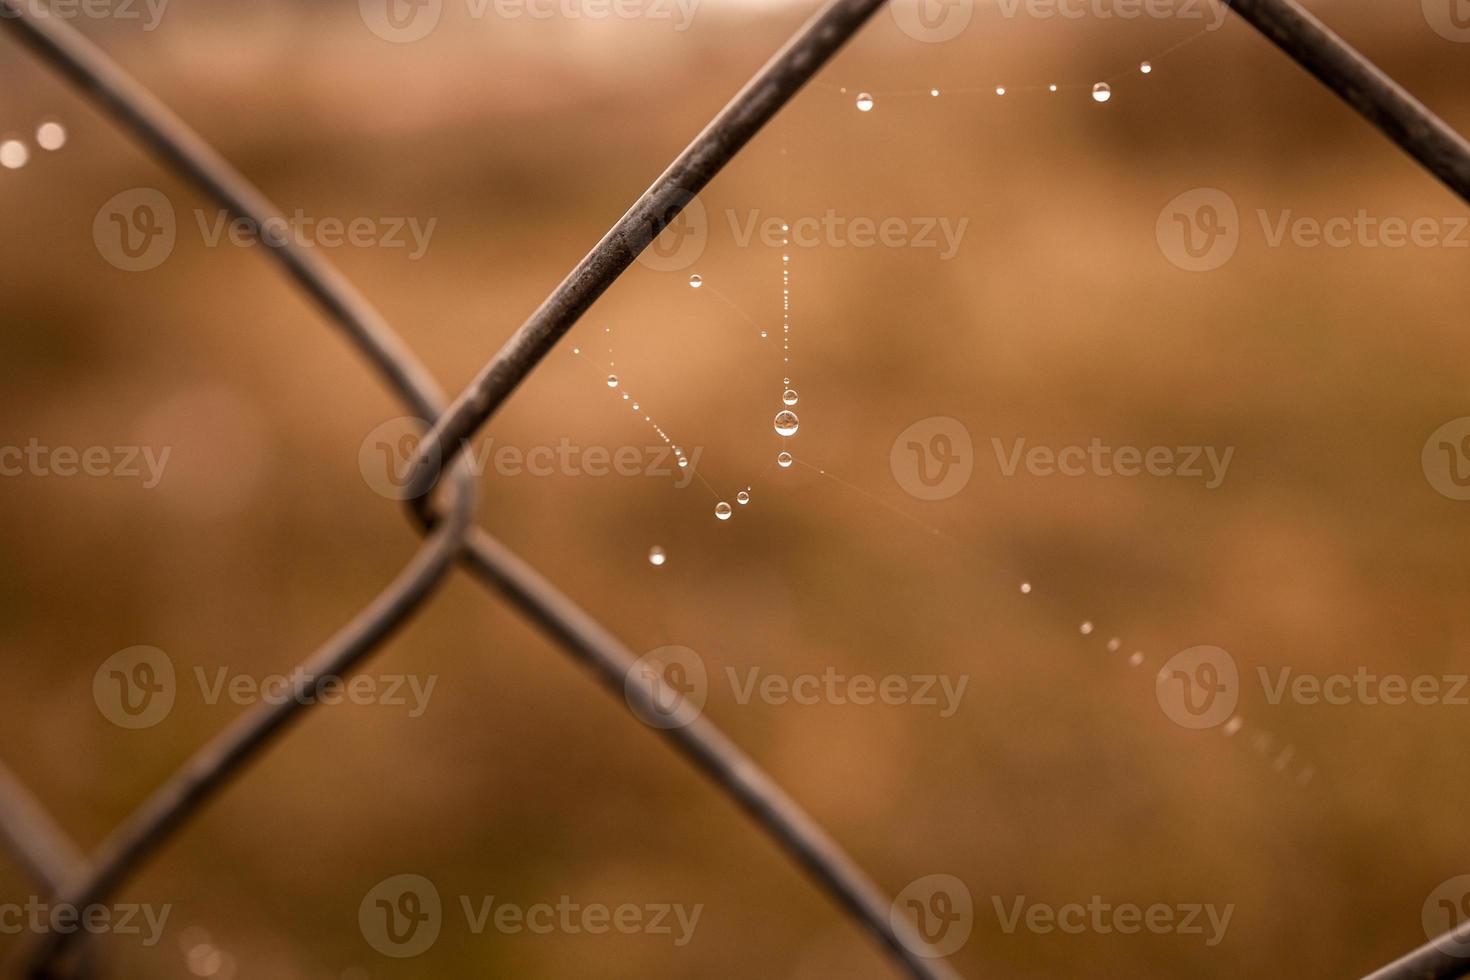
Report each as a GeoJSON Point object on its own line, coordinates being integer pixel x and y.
{"type": "Point", "coordinates": [1025, 588]}
{"type": "Point", "coordinates": [742, 498]}
{"type": "Point", "coordinates": [764, 335]}
{"type": "Point", "coordinates": [657, 556]}
{"type": "Point", "coordinates": [864, 102]}
{"type": "Point", "coordinates": [1233, 725]}
{"type": "Point", "coordinates": [683, 462]}
{"type": "Point", "coordinates": [723, 510]}
{"type": "Point", "coordinates": [576, 350]}
{"type": "Point", "coordinates": [1101, 92]}
{"type": "Point", "coordinates": [51, 135]}
{"type": "Point", "coordinates": [1136, 659]}
{"type": "Point", "coordinates": [14, 155]}
{"type": "Point", "coordinates": [787, 423]}
{"type": "Point", "coordinates": [612, 380]}
{"type": "Point", "coordinates": [789, 396]}
{"type": "Point", "coordinates": [1114, 644]}
{"type": "Point", "coordinates": [696, 281]}
{"type": "Point", "coordinates": [1000, 90]}
{"type": "Point", "coordinates": [1146, 68]}
{"type": "Point", "coordinates": [635, 407]}
{"type": "Point", "coordinates": [1085, 628]}
{"type": "Point", "coordinates": [934, 92]}
{"type": "Point", "coordinates": [1051, 88]}
{"type": "Point", "coordinates": [784, 461]}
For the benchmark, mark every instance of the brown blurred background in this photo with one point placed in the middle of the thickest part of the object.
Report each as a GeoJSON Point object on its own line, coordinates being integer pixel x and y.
{"type": "Point", "coordinates": [1059, 320]}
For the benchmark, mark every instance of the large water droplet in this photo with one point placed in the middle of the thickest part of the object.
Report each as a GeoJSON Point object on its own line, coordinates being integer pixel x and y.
{"type": "Point", "coordinates": [14, 154]}
{"type": "Point", "coordinates": [787, 423]}
{"type": "Point", "coordinates": [784, 461]}
{"type": "Point", "coordinates": [612, 380]}
{"type": "Point", "coordinates": [742, 498]}
{"type": "Point", "coordinates": [723, 510]}
{"type": "Point", "coordinates": [1146, 68]}
{"type": "Point", "coordinates": [864, 102]}
{"type": "Point", "coordinates": [696, 281]}
{"type": "Point", "coordinates": [51, 135]}
{"type": "Point", "coordinates": [1101, 92]}
{"type": "Point", "coordinates": [789, 397]}
{"type": "Point", "coordinates": [657, 556]}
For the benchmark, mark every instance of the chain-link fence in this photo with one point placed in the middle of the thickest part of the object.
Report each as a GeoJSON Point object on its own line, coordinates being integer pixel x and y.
{"type": "Point", "coordinates": [445, 509]}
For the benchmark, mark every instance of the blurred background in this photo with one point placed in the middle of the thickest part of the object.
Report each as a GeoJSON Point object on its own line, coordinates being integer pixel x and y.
{"type": "Point", "coordinates": [1061, 316]}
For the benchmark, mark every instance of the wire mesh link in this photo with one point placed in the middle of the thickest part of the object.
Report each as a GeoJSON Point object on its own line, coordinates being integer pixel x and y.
{"type": "Point", "coordinates": [55, 862]}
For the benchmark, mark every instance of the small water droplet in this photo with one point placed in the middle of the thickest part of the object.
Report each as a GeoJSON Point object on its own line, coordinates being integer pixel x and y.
{"type": "Point", "coordinates": [14, 155]}
{"type": "Point", "coordinates": [683, 462]}
{"type": "Point", "coordinates": [1085, 628]}
{"type": "Point", "coordinates": [612, 380]}
{"type": "Point", "coordinates": [787, 423]}
{"type": "Point", "coordinates": [742, 498]}
{"type": "Point", "coordinates": [1114, 644]}
{"type": "Point", "coordinates": [934, 92]}
{"type": "Point", "coordinates": [1051, 88]}
{"type": "Point", "coordinates": [864, 102]}
{"type": "Point", "coordinates": [696, 281]}
{"type": "Point", "coordinates": [1233, 725]}
{"type": "Point", "coordinates": [657, 556]}
{"type": "Point", "coordinates": [1101, 92]}
{"type": "Point", "coordinates": [51, 135]}
{"type": "Point", "coordinates": [789, 397]}
{"type": "Point", "coordinates": [1146, 68]}
{"type": "Point", "coordinates": [784, 461]}
{"type": "Point", "coordinates": [1136, 659]}
{"type": "Point", "coordinates": [1000, 90]}
{"type": "Point", "coordinates": [764, 335]}
{"type": "Point", "coordinates": [723, 510]}
{"type": "Point", "coordinates": [576, 350]}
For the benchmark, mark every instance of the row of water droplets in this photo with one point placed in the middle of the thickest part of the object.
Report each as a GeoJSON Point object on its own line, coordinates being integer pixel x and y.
{"type": "Point", "coordinates": [16, 153]}
{"type": "Point", "coordinates": [615, 384]}
{"type": "Point", "coordinates": [1101, 91]}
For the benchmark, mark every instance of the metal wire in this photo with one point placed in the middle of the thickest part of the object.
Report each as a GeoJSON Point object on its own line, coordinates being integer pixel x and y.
{"type": "Point", "coordinates": [701, 741]}
{"type": "Point", "coordinates": [41, 846]}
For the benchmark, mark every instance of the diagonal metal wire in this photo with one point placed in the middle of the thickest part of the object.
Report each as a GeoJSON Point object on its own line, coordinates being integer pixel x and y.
{"type": "Point", "coordinates": [28, 831]}
{"type": "Point", "coordinates": [495, 565]}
